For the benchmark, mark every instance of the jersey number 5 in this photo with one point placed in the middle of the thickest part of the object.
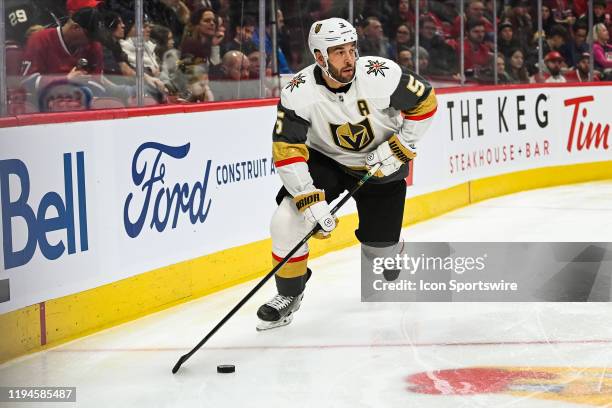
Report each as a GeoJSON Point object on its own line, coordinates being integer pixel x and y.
{"type": "Point", "coordinates": [415, 86]}
{"type": "Point", "coordinates": [279, 122]}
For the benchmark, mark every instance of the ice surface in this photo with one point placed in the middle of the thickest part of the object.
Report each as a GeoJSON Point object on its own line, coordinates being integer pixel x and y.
{"type": "Point", "coordinates": [339, 352]}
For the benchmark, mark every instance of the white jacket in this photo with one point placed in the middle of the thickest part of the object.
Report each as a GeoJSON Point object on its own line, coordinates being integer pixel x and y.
{"type": "Point", "coordinates": [149, 58]}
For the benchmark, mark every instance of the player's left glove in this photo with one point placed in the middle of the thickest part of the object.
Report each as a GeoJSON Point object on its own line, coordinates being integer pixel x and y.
{"type": "Point", "coordinates": [391, 155]}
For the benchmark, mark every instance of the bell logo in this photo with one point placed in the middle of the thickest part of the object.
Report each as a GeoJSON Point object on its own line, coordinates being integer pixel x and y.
{"type": "Point", "coordinates": [40, 221]}
{"type": "Point", "coordinates": [593, 136]}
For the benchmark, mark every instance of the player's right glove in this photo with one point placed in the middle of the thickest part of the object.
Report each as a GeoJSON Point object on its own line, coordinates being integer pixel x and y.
{"type": "Point", "coordinates": [316, 210]}
{"type": "Point", "coordinates": [391, 155]}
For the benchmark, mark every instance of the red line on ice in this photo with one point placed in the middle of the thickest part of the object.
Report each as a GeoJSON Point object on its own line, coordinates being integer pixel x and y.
{"type": "Point", "coordinates": [344, 346]}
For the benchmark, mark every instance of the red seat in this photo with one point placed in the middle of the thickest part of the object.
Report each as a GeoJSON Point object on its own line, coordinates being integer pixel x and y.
{"type": "Point", "coordinates": [148, 101]}
{"type": "Point", "coordinates": [106, 103]}
{"type": "Point", "coordinates": [21, 108]}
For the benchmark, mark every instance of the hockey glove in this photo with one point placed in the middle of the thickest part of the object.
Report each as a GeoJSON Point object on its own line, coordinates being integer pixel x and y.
{"type": "Point", "coordinates": [316, 210]}
{"type": "Point", "coordinates": [391, 155]}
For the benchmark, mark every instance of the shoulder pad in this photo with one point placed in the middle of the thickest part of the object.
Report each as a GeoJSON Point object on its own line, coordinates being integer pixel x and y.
{"type": "Point", "coordinates": [411, 90]}
{"type": "Point", "coordinates": [379, 76]}
{"type": "Point", "coordinates": [299, 91]}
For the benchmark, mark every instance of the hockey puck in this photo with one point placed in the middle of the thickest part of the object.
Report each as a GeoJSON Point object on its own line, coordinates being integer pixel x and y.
{"type": "Point", "coordinates": [226, 368]}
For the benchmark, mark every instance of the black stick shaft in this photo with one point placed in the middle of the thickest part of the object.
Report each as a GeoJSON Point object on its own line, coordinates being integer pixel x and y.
{"type": "Point", "coordinates": [262, 282]}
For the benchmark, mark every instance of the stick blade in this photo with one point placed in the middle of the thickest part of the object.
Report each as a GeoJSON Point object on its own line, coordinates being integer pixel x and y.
{"type": "Point", "coordinates": [178, 364]}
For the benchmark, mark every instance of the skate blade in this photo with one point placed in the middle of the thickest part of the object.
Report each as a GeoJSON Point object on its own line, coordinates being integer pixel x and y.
{"type": "Point", "coordinates": [263, 325]}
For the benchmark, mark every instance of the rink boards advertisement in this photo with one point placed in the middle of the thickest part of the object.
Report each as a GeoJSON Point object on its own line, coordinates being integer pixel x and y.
{"type": "Point", "coordinates": [90, 203]}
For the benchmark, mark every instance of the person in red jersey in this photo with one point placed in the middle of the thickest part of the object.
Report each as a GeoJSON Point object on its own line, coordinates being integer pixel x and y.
{"type": "Point", "coordinates": [69, 52]}
{"type": "Point", "coordinates": [581, 72]}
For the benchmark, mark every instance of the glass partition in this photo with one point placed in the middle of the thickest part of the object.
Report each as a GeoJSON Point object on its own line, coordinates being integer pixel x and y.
{"type": "Point", "coordinates": [88, 54]}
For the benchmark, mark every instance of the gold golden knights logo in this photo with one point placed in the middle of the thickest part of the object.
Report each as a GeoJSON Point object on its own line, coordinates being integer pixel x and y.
{"type": "Point", "coordinates": [351, 136]}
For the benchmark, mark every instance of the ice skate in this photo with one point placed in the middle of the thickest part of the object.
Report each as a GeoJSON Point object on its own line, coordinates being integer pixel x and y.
{"type": "Point", "coordinates": [278, 311]}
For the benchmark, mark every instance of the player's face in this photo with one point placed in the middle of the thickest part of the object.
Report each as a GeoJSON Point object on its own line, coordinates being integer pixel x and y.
{"type": "Point", "coordinates": [341, 61]}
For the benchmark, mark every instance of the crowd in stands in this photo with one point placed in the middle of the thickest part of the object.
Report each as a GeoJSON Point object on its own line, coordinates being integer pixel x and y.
{"type": "Point", "coordinates": [388, 29]}
{"type": "Point", "coordinates": [206, 50]}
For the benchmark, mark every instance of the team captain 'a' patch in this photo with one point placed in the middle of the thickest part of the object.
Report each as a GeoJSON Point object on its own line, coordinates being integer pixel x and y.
{"type": "Point", "coordinates": [351, 136]}
{"type": "Point", "coordinates": [295, 82]}
{"type": "Point", "coordinates": [376, 67]}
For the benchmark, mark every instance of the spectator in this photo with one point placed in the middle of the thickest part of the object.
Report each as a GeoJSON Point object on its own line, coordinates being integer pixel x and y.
{"type": "Point", "coordinates": [198, 4]}
{"type": "Point", "coordinates": [254, 59]}
{"type": "Point", "coordinates": [235, 67]}
{"type": "Point", "coordinates": [243, 37]}
{"type": "Point", "coordinates": [474, 11]}
{"type": "Point", "coordinates": [16, 32]}
{"type": "Point", "coordinates": [502, 76]}
{"type": "Point", "coordinates": [561, 12]}
{"type": "Point", "coordinates": [553, 62]}
{"type": "Point", "coordinates": [547, 19]}
{"type": "Point", "coordinates": [554, 41]}
{"type": "Point", "coordinates": [31, 30]}
{"type": "Point", "coordinates": [575, 46]}
{"type": "Point", "coordinates": [283, 66]}
{"type": "Point", "coordinates": [202, 38]}
{"type": "Point", "coordinates": [506, 42]}
{"type": "Point", "coordinates": [602, 50]}
{"type": "Point", "coordinates": [72, 6]}
{"type": "Point", "coordinates": [581, 73]}
{"type": "Point", "coordinates": [477, 55]}
{"type": "Point", "coordinates": [516, 70]}
{"type": "Point", "coordinates": [181, 10]}
{"type": "Point", "coordinates": [522, 24]}
{"type": "Point", "coordinates": [424, 59]}
{"type": "Point", "coordinates": [190, 81]}
{"type": "Point", "coordinates": [116, 62]}
{"type": "Point", "coordinates": [403, 38]}
{"type": "Point", "coordinates": [579, 7]}
{"type": "Point", "coordinates": [405, 59]}
{"type": "Point", "coordinates": [230, 79]}
{"type": "Point", "coordinates": [322, 9]}
{"type": "Point", "coordinates": [151, 64]}
{"type": "Point", "coordinates": [55, 53]}
{"type": "Point", "coordinates": [374, 42]}
{"type": "Point", "coordinates": [163, 39]}
{"type": "Point", "coordinates": [405, 14]}
{"type": "Point", "coordinates": [446, 11]}
{"type": "Point", "coordinates": [600, 13]}
{"type": "Point", "coordinates": [443, 59]}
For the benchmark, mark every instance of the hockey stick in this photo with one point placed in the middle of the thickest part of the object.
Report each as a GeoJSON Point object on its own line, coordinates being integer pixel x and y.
{"type": "Point", "coordinates": [228, 316]}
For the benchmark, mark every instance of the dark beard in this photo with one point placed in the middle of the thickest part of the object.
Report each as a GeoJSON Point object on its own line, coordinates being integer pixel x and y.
{"type": "Point", "coordinates": [335, 74]}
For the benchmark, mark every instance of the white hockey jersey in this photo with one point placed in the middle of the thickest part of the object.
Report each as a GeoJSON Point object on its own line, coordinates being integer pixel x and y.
{"type": "Point", "coordinates": [347, 123]}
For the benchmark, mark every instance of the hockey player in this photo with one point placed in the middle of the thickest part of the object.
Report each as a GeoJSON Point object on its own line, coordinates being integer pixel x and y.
{"type": "Point", "coordinates": [337, 118]}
